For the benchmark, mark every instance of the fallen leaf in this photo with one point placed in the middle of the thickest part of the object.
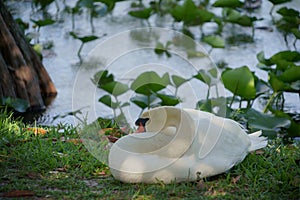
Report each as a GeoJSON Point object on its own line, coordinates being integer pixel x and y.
{"type": "Point", "coordinates": [102, 173]}
{"type": "Point", "coordinates": [37, 131]}
{"type": "Point", "coordinates": [259, 152]}
{"type": "Point", "coordinates": [234, 180]}
{"type": "Point", "coordinates": [74, 141]}
{"type": "Point", "coordinates": [112, 138]}
{"type": "Point", "coordinates": [61, 169]}
{"type": "Point", "coordinates": [18, 193]}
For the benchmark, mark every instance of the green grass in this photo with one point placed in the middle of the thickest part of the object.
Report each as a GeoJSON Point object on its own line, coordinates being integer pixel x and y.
{"type": "Point", "coordinates": [51, 167]}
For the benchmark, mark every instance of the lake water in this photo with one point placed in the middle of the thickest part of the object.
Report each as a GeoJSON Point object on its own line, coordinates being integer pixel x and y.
{"type": "Point", "coordinates": [119, 52]}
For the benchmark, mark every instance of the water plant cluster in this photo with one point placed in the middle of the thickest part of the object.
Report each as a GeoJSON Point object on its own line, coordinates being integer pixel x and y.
{"type": "Point", "coordinates": [150, 91]}
{"type": "Point", "coordinates": [283, 67]}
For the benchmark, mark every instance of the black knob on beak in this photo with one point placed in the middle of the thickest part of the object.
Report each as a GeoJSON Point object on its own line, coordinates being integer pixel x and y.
{"type": "Point", "coordinates": [141, 123]}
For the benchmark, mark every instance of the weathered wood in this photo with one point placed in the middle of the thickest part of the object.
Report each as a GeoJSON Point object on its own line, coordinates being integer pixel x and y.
{"type": "Point", "coordinates": [22, 69]}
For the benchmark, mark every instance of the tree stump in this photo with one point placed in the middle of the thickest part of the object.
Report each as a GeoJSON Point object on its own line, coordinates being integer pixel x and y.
{"type": "Point", "coordinates": [22, 74]}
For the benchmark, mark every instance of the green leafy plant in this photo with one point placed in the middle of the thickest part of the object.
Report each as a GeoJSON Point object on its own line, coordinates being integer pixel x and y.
{"type": "Point", "coordinates": [149, 84]}
{"type": "Point", "coordinates": [161, 49]}
{"type": "Point", "coordinates": [106, 82]}
{"type": "Point", "coordinates": [191, 15]}
{"type": "Point", "coordinates": [96, 8]}
{"type": "Point", "coordinates": [240, 82]}
{"type": "Point", "coordinates": [209, 77]}
{"type": "Point", "coordinates": [277, 2]}
{"type": "Point", "coordinates": [142, 13]}
{"type": "Point", "coordinates": [83, 40]}
{"type": "Point", "coordinates": [73, 11]}
{"type": "Point", "coordinates": [42, 23]}
{"type": "Point", "coordinates": [235, 17]}
{"type": "Point", "coordinates": [270, 124]}
{"type": "Point", "coordinates": [214, 42]}
{"type": "Point", "coordinates": [44, 4]}
{"type": "Point", "coordinates": [289, 23]}
{"type": "Point", "coordinates": [148, 90]}
{"type": "Point", "coordinates": [19, 105]}
{"type": "Point", "coordinates": [284, 74]}
{"type": "Point", "coordinates": [228, 3]}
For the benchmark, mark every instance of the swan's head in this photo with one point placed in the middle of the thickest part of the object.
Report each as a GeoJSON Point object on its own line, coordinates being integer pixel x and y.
{"type": "Point", "coordinates": [141, 123]}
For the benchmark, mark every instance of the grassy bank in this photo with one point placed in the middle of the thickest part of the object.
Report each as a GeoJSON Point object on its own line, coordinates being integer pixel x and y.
{"type": "Point", "coordinates": [55, 164]}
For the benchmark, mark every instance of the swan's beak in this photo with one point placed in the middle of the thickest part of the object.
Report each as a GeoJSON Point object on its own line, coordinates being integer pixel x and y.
{"type": "Point", "coordinates": [141, 123]}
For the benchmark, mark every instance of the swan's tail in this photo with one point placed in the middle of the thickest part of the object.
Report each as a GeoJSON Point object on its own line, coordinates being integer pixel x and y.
{"type": "Point", "coordinates": [257, 141]}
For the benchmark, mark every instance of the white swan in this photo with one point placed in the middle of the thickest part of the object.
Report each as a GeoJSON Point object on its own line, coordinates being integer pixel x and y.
{"type": "Point", "coordinates": [181, 145]}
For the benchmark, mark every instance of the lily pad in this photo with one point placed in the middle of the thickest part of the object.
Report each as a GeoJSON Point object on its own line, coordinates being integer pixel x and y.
{"type": "Point", "coordinates": [44, 22]}
{"type": "Point", "coordinates": [160, 48]}
{"type": "Point", "coordinates": [178, 80]}
{"type": "Point", "coordinates": [207, 76]}
{"type": "Point", "coordinates": [279, 85]}
{"type": "Point", "coordinates": [84, 39]}
{"type": "Point", "coordinates": [236, 17]}
{"type": "Point", "coordinates": [276, 2]}
{"type": "Point", "coordinates": [142, 14]}
{"type": "Point", "coordinates": [296, 33]}
{"type": "Point", "coordinates": [217, 106]}
{"type": "Point", "coordinates": [115, 88]}
{"type": "Point", "coordinates": [168, 100]}
{"type": "Point", "coordinates": [228, 3]}
{"type": "Point", "coordinates": [294, 129]}
{"type": "Point", "coordinates": [214, 41]}
{"type": "Point", "coordinates": [186, 12]}
{"type": "Point", "coordinates": [240, 81]}
{"type": "Point", "coordinates": [284, 11]}
{"type": "Point", "coordinates": [203, 76]}
{"type": "Point", "coordinates": [270, 124]}
{"type": "Point", "coordinates": [102, 77]}
{"type": "Point", "coordinates": [291, 74]}
{"type": "Point", "coordinates": [149, 82]}
{"type": "Point", "coordinates": [291, 56]}
{"type": "Point", "coordinates": [106, 100]}
{"type": "Point", "coordinates": [143, 101]}
{"type": "Point", "coordinates": [282, 60]}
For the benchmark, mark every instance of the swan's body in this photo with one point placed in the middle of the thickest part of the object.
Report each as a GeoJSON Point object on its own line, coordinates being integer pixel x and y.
{"type": "Point", "coordinates": [181, 145]}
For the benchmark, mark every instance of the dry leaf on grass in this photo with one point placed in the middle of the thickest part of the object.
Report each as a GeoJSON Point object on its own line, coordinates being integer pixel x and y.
{"type": "Point", "coordinates": [259, 152]}
{"type": "Point", "coordinates": [101, 173]}
{"type": "Point", "coordinates": [75, 141]}
{"type": "Point", "coordinates": [234, 180]}
{"type": "Point", "coordinates": [36, 131]}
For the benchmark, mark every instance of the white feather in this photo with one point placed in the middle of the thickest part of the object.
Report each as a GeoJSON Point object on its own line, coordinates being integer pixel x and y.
{"type": "Point", "coordinates": [257, 141]}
